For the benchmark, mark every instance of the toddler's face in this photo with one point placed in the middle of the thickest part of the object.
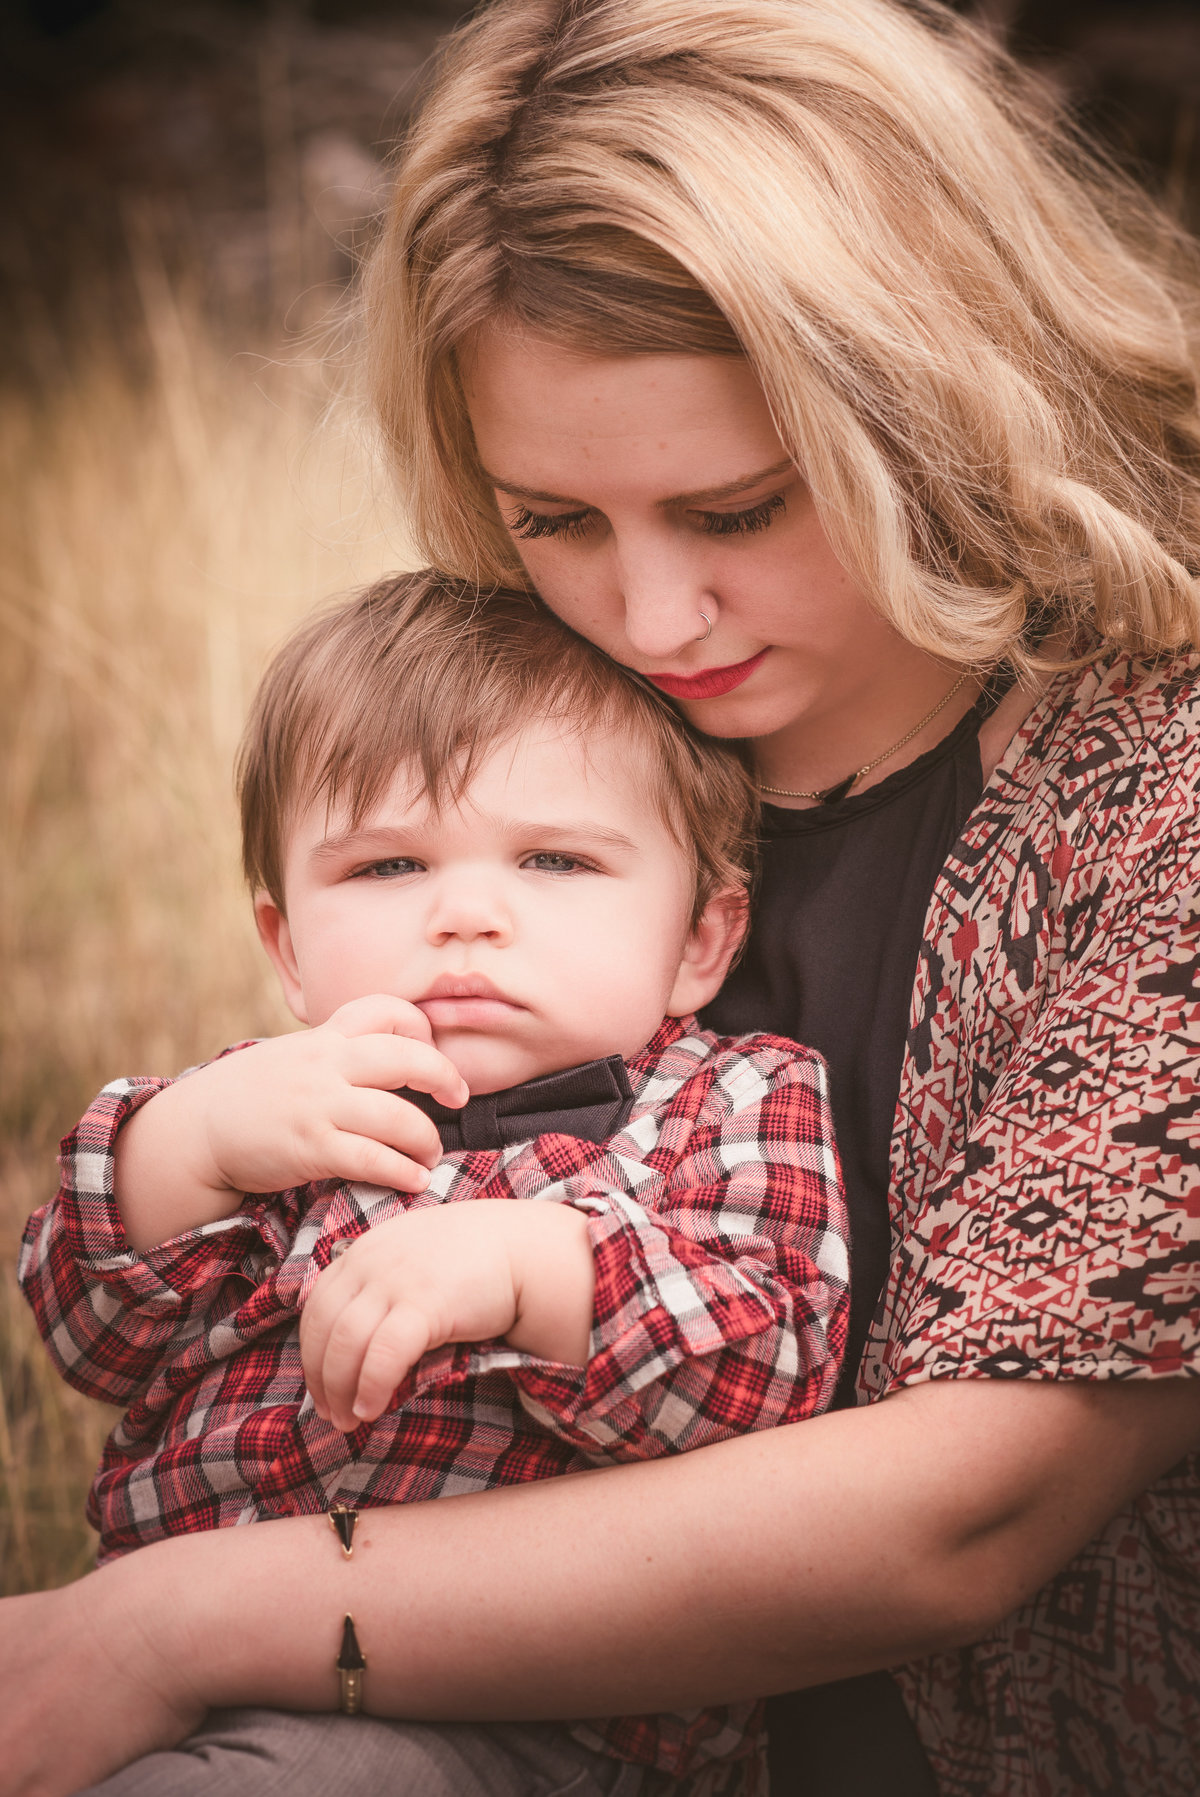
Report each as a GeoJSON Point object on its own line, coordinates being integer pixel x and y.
{"type": "Point", "coordinates": [542, 922]}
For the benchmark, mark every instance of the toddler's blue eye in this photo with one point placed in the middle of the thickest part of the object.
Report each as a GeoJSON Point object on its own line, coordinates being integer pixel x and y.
{"type": "Point", "coordinates": [548, 862]}
{"type": "Point", "coordinates": [389, 869]}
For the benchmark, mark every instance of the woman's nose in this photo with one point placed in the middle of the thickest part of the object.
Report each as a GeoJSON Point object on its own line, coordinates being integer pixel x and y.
{"type": "Point", "coordinates": [663, 599]}
{"type": "Point", "coordinates": [469, 909]}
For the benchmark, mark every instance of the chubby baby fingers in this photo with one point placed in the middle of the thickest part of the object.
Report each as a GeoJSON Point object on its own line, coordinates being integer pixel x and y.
{"type": "Point", "coordinates": [379, 1013]}
{"type": "Point", "coordinates": [336, 1347]}
{"type": "Point", "coordinates": [393, 1124]}
{"type": "Point", "coordinates": [390, 1063]}
{"type": "Point", "coordinates": [361, 1160]}
{"type": "Point", "coordinates": [336, 1325]}
{"type": "Point", "coordinates": [393, 1350]}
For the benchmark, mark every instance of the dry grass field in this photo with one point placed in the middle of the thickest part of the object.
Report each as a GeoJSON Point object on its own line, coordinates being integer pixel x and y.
{"type": "Point", "coordinates": [159, 531]}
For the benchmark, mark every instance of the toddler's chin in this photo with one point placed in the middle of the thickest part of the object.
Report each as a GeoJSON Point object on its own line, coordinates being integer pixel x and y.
{"type": "Point", "coordinates": [486, 1066]}
{"type": "Point", "coordinates": [493, 1066]}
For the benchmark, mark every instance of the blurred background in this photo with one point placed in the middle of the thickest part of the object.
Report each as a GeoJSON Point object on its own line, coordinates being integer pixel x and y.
{"type": "Point", "coordinates": [185, 469]}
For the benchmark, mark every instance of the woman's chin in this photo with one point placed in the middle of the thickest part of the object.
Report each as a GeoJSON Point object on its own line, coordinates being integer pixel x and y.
{"type": "Point", "coordinates": [741, 715]}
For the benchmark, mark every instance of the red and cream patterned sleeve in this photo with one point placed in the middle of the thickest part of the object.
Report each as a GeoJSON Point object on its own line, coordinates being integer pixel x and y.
{"type": "Point", "coordinates": [1046, 1210]}
{"type": "Point", "coordinates": [1048, 1167]}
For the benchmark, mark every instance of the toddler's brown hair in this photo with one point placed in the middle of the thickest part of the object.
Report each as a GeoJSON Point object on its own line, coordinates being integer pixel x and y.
{"type": "Point", "coordinates": [426, 672]}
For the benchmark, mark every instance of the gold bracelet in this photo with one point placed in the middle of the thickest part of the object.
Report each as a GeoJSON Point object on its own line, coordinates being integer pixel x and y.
{"type": "Point", "coordinates": [351, 1664]}
{"type": "Point", "coordinates": [342, 1520]}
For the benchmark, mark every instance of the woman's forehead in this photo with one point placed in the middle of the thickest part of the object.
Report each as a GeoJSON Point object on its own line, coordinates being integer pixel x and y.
{"type": "Point", "coordinates": [686, 423]}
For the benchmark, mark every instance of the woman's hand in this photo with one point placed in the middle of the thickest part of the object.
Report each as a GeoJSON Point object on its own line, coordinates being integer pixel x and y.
{"type": "Point", "coordinates": [84, 1691]}
{"type": "Point", "coordinates": [458, 1273]}
{"type": "Point", "coordinates": [316, 1104]}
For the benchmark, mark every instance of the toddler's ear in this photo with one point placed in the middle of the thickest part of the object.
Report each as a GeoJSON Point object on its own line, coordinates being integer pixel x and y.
{"type": "Point", "coordinates": [276, 938]}
{"type": "Point", "coordinates": [709, 949]}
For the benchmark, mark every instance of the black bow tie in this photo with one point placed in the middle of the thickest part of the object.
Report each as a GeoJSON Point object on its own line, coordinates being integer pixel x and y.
{"type": "Point", "coordinates": [592, 1102]}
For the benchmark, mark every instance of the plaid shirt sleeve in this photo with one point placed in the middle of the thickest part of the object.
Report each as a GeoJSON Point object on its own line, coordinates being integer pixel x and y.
{"type": "Point", "coordinates": [108, 1315]}
{"type": "Point", "coordinates": [721, 1277]}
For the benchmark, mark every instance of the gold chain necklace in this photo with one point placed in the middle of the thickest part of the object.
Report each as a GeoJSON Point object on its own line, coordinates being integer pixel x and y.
{"type": "Point", "coordinates": [841, 787]}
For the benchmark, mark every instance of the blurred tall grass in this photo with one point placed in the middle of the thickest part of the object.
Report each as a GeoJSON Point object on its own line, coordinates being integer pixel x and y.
{"type": "Point", "coordinates": [165, 515]}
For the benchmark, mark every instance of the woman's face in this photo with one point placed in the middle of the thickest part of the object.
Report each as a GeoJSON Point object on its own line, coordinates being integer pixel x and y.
{"type": "Point", "coordinates": [644, 491]}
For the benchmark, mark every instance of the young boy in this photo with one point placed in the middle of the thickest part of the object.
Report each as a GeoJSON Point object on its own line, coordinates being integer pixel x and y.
{"type": "Point", "coordinates": [496, 876]}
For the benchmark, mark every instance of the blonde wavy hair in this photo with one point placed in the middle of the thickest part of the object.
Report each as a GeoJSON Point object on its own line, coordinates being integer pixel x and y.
{"type": "Point", "coordinates": [973, 334]}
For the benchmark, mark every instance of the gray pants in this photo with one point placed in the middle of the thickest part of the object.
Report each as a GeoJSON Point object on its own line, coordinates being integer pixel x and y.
{"type": "Point", "coordinates": [274, 1753]}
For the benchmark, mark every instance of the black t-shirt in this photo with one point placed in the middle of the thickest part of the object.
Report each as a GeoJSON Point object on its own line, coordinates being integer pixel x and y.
{"type": "Point", "coordinates": [832, 957]}
{"type": "Point", "coordinates": [831, 961]}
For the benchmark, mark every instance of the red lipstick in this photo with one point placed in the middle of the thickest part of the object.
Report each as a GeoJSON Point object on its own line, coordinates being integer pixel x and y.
{"type": "Point", "coordinates": [710, 683]}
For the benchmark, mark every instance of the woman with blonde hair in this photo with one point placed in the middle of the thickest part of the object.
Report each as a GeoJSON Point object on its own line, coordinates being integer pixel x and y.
{"type": "Point", "coordinates": [795, 353]}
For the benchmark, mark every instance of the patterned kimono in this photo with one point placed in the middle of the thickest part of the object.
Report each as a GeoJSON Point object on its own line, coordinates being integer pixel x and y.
{"type": "Point", "coordinates": [1046, 1210]}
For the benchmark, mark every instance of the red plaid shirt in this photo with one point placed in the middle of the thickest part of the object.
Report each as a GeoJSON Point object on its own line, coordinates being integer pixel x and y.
{"type": "Point", "coordinates": [720, 1244]}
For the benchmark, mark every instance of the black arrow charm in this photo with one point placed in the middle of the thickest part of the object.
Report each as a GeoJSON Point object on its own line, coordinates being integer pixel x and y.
{"type": "Point", "coordinates": [342, 1520]}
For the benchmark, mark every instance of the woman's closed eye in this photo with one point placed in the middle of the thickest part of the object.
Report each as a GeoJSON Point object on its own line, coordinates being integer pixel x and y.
{"type": "Point", "coordinates": [532, 525]}
{"type": "Point", "coordinates": [740, 524]}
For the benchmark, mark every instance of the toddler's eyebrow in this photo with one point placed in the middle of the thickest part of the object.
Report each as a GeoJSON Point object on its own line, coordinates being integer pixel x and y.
{"type": "Point", "coordinates": [701, 496]}
{"type": "Point", "coordinates": [383, 838]}
{"type": "Point", "coordinates": [340, 840]}
{"type": "Point", "coordinates": [580, 834]}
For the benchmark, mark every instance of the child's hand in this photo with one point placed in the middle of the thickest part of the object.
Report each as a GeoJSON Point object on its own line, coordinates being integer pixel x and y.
{"type": "Point", "coordinates": [451, 1273]}
{"type": "Point", "coordinates": [319, 1104]}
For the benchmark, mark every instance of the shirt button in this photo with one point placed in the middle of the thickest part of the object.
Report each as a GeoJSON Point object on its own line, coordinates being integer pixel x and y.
{"type": "Point", "coordinates": [340, 1248]}
{"type": "Point", "coordinates": [270, 1265]}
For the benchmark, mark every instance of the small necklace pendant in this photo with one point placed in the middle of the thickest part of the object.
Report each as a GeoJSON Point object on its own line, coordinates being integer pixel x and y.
{"type": "Point", "coordinates": [832, 794]}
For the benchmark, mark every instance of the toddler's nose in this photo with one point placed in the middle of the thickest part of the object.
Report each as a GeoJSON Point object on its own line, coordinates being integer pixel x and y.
{"type": "Point", "coordinates": [469, 911]}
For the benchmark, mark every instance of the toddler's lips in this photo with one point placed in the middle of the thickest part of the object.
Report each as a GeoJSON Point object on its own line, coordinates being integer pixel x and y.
{"type": "Point", "coordinates": [711, 683]}
{"type": "Point", "coordinates": [466, 1001]}
{"type": "Point", "coordinates": [468, 1013]}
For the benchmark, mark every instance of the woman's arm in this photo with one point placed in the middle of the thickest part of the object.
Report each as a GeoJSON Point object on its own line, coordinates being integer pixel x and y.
{"type": "Point", "coordinates": [856, 1540]}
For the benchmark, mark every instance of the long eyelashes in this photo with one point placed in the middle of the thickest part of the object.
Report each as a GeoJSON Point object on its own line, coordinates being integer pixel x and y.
{"type": "Point", "coordinates": [530, 525]}
{"type": "Point", "coordinates": [737, 524]}
{"type": "Point", "coordinates": [525, 523]}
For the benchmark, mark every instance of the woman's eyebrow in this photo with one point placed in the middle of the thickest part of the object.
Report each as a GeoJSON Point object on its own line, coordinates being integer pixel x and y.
{"type": "Point", "coordinates": [730, 488]}
{"type": "Point", "coordinates": [702, 495]}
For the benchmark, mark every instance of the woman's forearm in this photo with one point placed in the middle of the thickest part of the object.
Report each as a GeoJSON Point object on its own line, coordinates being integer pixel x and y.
{"type": "Point", "coordinates": [857, 1540]}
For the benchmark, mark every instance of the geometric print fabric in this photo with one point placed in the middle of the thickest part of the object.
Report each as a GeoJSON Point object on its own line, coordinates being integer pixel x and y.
{"type": "Point", "coordinates": [1046, 1209]}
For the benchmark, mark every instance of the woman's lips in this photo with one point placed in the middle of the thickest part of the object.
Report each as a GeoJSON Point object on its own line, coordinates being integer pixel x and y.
{"type": "Point", "coordinates": [710, 683]}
